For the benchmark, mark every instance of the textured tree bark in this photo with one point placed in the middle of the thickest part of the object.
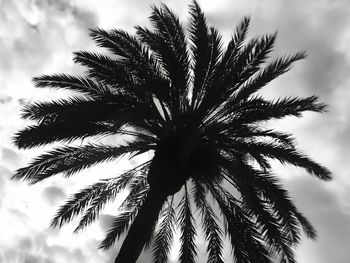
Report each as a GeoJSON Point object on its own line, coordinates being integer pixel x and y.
{"type": "Point", "coordinates": [141, 229]}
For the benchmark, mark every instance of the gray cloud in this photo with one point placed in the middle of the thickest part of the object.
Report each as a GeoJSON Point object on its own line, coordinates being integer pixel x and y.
{"type": "Point", "coordinates": [5, 99]}
{"type": "Point", "coordinates": [105, 222]}
{"type": "Point", "coordinates": [36, 249]}
{"type": "Point", "coordinates": [317, 28]}
{"type": "Point", "coordinates": [4, 173]}
{"type": "Point", "coordinates": [319, 202]}
{"type": "Point", "coordinates": [37, 28]}
{"type": "Point", "coordinates": [10, 157]}
{"type": "Point", "coordinates": [53, 194]}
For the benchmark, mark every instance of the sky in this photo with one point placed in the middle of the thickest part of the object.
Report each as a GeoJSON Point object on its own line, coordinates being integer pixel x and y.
{"type": "Point", "coordinates": [38, 37]}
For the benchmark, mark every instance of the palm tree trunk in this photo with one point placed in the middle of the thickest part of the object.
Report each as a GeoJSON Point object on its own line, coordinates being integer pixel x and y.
{"type": "Point", "coordinates": [164, 179]}
{"type": "Point", "coordinates": [142, 227]}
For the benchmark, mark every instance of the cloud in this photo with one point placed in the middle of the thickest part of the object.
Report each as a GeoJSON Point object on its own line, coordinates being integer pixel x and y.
{"type": "Point", "coordinates": [35, 249]}
{"type": "Point", "coordinates": [320, 31]}
{"type": "Point", "coordinates": [53, 194]}
{"type": "Point", "coordinates": [10, 157]}
{"type": "Point", "coordinates": [4, 173]}
{"type": "Point", "coordinates": [32, 30]}
{"type": "Point", "coordinates": [105, 221]}
{"type": "Point", "coordinates": [321, 204]}
{"type": "Point", "coordinates": [5, 99]}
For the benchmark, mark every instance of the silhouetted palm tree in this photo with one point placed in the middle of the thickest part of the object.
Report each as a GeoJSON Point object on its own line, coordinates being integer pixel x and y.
{"type": "Point", "coordinates": [194, 104]}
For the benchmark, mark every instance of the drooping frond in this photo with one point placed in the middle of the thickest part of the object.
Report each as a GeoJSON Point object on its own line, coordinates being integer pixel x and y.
{"type": "Point", "coordinates": [164, 235]}
{"type": "Point", "coordinates": [119, 225]}
{"type": "Point", "coordinates": [103, 191]}
{"type": "Point", "coordinates": [262, 185]}
{"type": "Point", "coordinates": [134, 201]}
{"type": "Point", "coordinates": [109, 193]}
{"type": "Point", "coordinates": [278, 198]}
{"type": "Point", "coordinates": [188, 249]}
{"type": "Point", "coordinates": [72, 159]}
{"type": "Point", "coordinates": [244, 236]}
{"type": "Point", "coordinates": [272, 229]}
{"type": "Point", "coordinates": [138, 190]}
{"type": "Point", "coordinates": [209, 222]}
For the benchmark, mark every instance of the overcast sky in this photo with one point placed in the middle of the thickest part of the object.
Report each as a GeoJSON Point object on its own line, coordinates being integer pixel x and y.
{"type": "Point", "coordinates": [38, 37]}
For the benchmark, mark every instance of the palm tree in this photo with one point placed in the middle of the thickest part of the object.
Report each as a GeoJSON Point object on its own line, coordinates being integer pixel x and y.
{"type": "Point", "coordinates": [194, 104]}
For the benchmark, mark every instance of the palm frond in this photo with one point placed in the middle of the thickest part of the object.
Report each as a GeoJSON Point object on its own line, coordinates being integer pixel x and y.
{"type": "Point", "coordinates": [285, 155]}
{"type": "Point", "coordinates": [75, 108]}
{"type": "Point", "coordinates": [244, 236]}
{"type": "Point", "coordinates": [125, 218]}
{"type": "Point", "coordinates": [67, 120]}
{"type": "Point", "coordinates": [284, 208]}
{"type": "Point", "coordinates": [201, 55]}
{"type": "Point", "coordinates": [236, 43]}
{"type": "Point", "coordinates": [136, 57]}
{"type": "Point", "coordinates": [188, 249]}
{"type": "Point", "coordinates": [72, 159]}
{"type": "Point", "coordinates": [272, 229]}
{"type": "Point", "coordinates": [175, 60]}
{"type": "Point", "coordinates": [169, 45]}
{"type": "Point", "coordinates": [138, 190]}
{"type": "Point", "coordinates": [272, 71]}
{"type": "Point", "coordinates": [104, 69]}
{"type": "Point", "coordinates": [109, 193]}
{"type": "Point", "coordinates": [74, 83]}
{"type": "Point", "coordinates": [164, 235]}
{"type": "Point", "coordinates": [119, 42]}
{"type": "Point", "coordinates": [78, 202]}
{"type": "Point", "coordinates": [119, 225]}
{"type": "Point", "coordinates": [306, 225]}
{"type": "Point", "coordinates": [116, 108]}
{"type": "Point", "coordinates": [209, 221]}
{"type": "Point", "coordinates": [256, 56]}
{"type": "Point", "coordinates": [208, 55]}
{"type": "Point", "coordinates": [38, 135]}
{"type": "Point", "coordinates": [257, 109]}
{"type": "Point", "coordinates": [280, 137]}
{"type": "Point", "coordinates": [219, 91]}
{"type": "Point", "coordinates": [138, 60]}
